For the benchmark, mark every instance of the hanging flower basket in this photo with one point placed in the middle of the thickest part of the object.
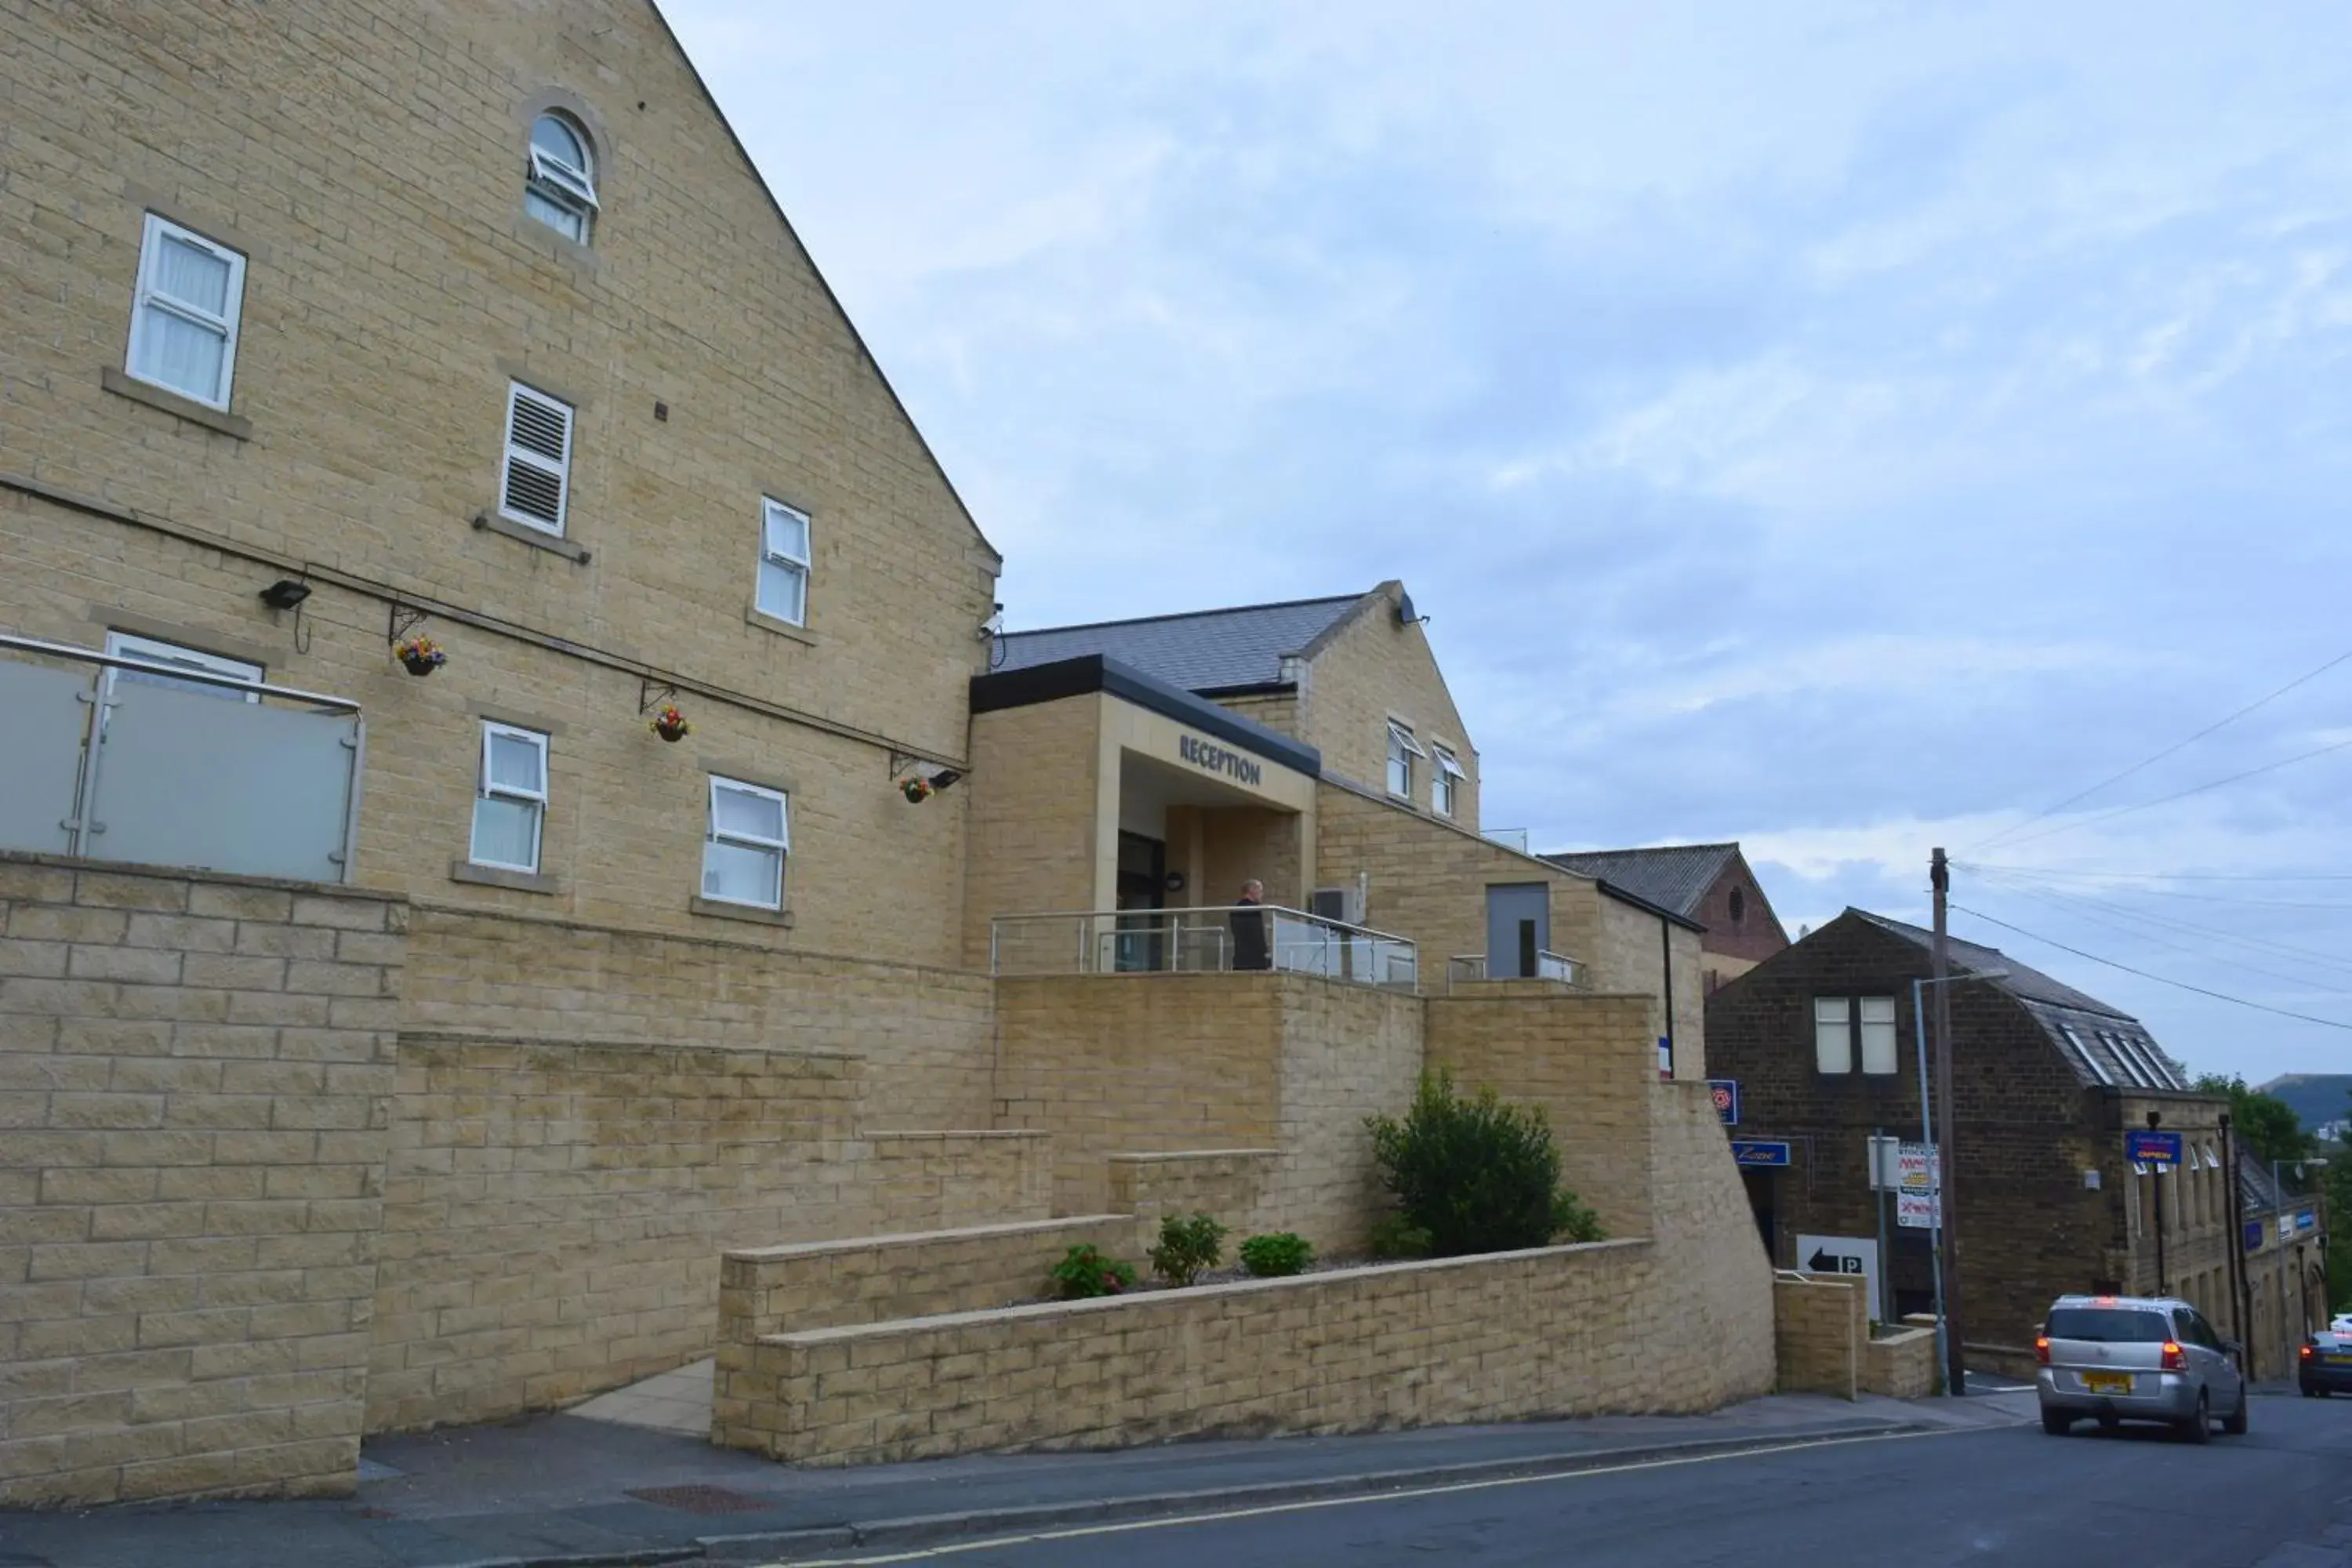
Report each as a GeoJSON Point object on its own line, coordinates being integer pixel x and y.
{"type": "Point", "coordinates": [916, 790]}
{"type": "Point", "coordinates": [419, 656]}
{"type": "Point", "coordinates": [669, 724]}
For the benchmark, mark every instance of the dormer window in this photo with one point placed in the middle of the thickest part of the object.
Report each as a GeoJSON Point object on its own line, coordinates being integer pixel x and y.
{"type": "Point", "coordinates": [561, 190]}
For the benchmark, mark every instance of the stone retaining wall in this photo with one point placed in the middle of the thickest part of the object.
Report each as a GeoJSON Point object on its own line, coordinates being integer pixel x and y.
{"type": "Point", "coordinates": [1818, 1332]}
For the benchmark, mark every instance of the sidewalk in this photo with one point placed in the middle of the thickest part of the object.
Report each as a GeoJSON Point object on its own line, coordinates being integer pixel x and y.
{"type": "Point", "coordinates": [564, 1489]}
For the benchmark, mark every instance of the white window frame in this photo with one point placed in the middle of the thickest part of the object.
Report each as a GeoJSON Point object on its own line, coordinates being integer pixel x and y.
{"type": "Point", "coordinates": [560, 184]}
{"type": "Point", "coordinates": [484, 789]}
{"type": "Point", "coordinates": [783, 560]}
{"type": "Point", "coordinates": [1863, 1023]}
{"type": "Point", "coordinates": [146, 299]}
{"type": "Point", "coordinates": [1445, 778]}
{"type": "Point", "coordinates": [783, 845]}
{"type": "Point", "coordinates": [155, 650]}
{"type": "Point", "coordinates": [559, 470]}
{"type": "Point", "coordinates": [2098, 1068]}
{"type": "Point", "coordinates": [1402, 749]}
{"type": "Point", "coordinates": [1843, 1023]}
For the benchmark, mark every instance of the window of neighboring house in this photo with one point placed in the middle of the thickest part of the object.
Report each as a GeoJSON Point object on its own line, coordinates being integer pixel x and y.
{"type": "Point", "coordinates": [1844, 1027]}
{"type": "Point", "coordinates": [183, 320]}
{"type": "Point", "coordinates": [510, 801]}
{"type": "Point", "coordinates": [150, 651]}
{"type": "Point", "coordinates": [1739, 905]}
{"type": "Point", "coordinates": [2090, 1059]}
{"type": "Point", "coordinates": [1402, 749]}
{"type": "Point", "coordinates": [784, 585]}
{"type": "Point", "coordinates": [561, 189]}
{"type": "Point", "coordinates": [1445, 780]}
{"type": "Point", "coordinates": [744, 852]}
{"type": "Point", "coordinates": [539, 460]}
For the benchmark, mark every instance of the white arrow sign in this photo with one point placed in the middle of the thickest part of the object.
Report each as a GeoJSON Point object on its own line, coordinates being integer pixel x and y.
{"type": "Point", "coordinates": [1847, 1255]}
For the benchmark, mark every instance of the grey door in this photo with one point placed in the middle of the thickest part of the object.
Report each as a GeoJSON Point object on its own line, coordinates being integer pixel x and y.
{"type": "Point", "coordinates": [1518, 927]}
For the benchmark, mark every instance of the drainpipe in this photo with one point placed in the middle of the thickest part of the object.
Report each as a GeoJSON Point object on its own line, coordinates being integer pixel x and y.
{"type": "Point", "coordinates": [1666, 964]}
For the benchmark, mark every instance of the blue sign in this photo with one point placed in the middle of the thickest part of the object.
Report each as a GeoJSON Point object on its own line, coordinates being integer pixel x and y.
{"type": "Point", "coordinates": [2306, 1220]}
{"type": "Point", "coordinates": [2254, 1236]}
{"type": "Point", "coordinates": [1759, 1152]}
{"type": "Point", "coordinates": [1725, 1091]}
{"type": "Point", "coordinates": [2152, 1148]}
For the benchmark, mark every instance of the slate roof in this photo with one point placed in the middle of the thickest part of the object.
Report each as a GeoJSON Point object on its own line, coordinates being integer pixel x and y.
{"type": "Point", "coordinates": [1673, 877]}
{"type": "Point", "coordinates": [2103, 1043]}
{"type": "Point", "coordinates": [1198, 651]}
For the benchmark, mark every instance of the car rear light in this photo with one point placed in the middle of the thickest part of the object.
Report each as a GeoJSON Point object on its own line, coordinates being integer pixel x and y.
{"type": "Point", "coordinates": [2041, 1348]}
{"type": "Point", "coordinates": [2173, 1360]}
{"type": "Point", "coordinates": [2306, 1353]}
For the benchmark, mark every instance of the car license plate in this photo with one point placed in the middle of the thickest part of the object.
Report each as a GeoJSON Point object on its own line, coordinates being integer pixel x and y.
{"type": "Point", "coordinates": [2338, 1358]}
{"type": "Point", "coordinates": [2108, 1382]}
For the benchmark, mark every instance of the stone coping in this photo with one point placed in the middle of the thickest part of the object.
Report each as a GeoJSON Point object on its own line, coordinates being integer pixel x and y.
{"type": "Point", "coordinates": [159, 873]}
{"type": "Point", "coordinates": [944, 1133]}
{"type": "Point", "coordinates": [1171, 1157]}
{"type": "Point", "coordinates": [1191, 1294]}
{"type": "Point", "coordinates": [789, 1250]}
{"type": "Point", "coordinates": [512, 1039]}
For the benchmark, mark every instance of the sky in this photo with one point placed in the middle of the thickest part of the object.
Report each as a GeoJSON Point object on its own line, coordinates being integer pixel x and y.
{"type": "Point", "coordinates": [1846, 428]}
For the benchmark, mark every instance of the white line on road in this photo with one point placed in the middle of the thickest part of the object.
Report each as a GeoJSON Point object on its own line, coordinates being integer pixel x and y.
{"type": "Point", "coordinates": [1125, 1526]}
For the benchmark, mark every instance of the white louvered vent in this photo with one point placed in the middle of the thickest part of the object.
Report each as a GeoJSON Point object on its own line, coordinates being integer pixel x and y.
{"type": "Point", "coordinates": [539, 460]}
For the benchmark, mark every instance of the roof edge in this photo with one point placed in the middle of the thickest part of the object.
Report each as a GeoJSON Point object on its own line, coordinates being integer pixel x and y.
{"type": "Point", "coordinates": [1088, 673]}
{"type": "Point", "coordinates": [1184, 615]}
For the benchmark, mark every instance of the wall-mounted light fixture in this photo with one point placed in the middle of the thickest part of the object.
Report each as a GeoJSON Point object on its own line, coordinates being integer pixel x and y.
{"type": "Point", "coordinates": [285, 594]}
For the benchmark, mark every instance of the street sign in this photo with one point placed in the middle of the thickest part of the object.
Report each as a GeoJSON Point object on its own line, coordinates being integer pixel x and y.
{"type": "Point", "coordinates": [1666, 1057]}
{"type": "Point", "coordinates": [1759, 1153]}
{"type": "Point", "coordinates": [2152, 1148]}
{"type": "Point", "coordinates": [2306, 1220]}
{"type": "Point", "coordinates": [1918, 1172]}
{"type": "Point", "coordinates": [2286, 1227]}
{"type": "Point", "coordinates": [1919, 1211]}
{"type": "Point", "coordinates": [2252, 1235]}
{"type": "Point", "coordinates": [1725, 1093]}
{"type": "Point", "coordinates": [1849, 1255]}
{"type": "Point", "coordinates": [1882, 1155]}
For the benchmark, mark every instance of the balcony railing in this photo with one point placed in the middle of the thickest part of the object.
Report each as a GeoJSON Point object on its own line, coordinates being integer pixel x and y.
{"type": "Point", "coordinates": [1472, 966]}
{"type": "Point", "coordinates": [124, 759]}
{"type": "Point", "coordinates": [1210, 940]}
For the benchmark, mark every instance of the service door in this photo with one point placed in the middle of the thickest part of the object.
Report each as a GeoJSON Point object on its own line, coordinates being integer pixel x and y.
{"type": "Point", "coordinates": [1518, 927]}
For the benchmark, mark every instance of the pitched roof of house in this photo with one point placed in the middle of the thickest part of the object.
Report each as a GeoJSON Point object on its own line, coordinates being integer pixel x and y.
{"type": "Point", "coordinates": [1673, 877]}
{"type": "Point", "coordinates": [2100, 1042]}
{"type": "Point", "coordinates": [1200, 651]}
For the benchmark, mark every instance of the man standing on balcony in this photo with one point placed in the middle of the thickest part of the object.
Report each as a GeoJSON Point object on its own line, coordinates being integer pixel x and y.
{"type": "Point", "coordinates": [1250, 948]}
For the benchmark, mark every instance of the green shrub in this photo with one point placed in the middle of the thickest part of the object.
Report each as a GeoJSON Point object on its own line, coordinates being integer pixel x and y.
{"type": "Point", "coordinates": [1395, 1237]}
{"type": "Point", "coordinates": [1084, 1271]}
{"type": "Point", "coordinates": [1186, 1247]}
{"type": "Point", "coordinates": [1271, 1257]}
{"type": "Point", "coordinates": [1476, 1175]}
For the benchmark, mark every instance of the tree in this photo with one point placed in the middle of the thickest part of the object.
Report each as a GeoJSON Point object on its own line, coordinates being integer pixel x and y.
{"type": "Point", "coordinates": [2267, 1127]}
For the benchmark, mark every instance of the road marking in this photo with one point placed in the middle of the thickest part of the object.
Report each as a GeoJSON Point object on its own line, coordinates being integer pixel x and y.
{"type": "Point", "coordinates": [1123, 1527]}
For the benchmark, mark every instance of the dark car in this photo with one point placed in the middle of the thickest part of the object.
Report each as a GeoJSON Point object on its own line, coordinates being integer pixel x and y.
{"type": "Point", "coordinates": [2325, 1367]}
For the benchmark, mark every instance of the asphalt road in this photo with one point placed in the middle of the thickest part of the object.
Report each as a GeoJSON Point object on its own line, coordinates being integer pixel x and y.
{"type": "Point", "coordinates": [2278, 1498]}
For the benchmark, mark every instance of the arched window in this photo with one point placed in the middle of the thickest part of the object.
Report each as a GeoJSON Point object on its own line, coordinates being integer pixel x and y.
{"type": "Point", "coordinates": [561, 190]}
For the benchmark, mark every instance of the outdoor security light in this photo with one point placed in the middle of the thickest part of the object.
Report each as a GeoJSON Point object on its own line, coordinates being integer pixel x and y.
{"type": "Point", "coordinates": [285, 594]}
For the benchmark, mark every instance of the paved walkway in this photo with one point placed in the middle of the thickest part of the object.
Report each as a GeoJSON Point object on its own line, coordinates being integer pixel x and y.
{"type": "Point", "coordinates": [569, 1489]}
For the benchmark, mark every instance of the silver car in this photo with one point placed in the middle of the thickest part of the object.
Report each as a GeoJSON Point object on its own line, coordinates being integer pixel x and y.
{"type": "Point", "coordinates": [2138, 1358]}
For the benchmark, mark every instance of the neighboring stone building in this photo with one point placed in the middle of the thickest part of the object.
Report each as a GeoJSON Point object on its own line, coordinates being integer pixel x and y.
{"type": "Point", "coordinates": [395, 1035]}
{"type": "Point", "coordinates": [2048, 1080]}
{"type": "Point", "coordinates": [1710, 883]}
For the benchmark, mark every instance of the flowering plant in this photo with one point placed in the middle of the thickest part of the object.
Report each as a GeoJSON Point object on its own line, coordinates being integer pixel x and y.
{"type": "Point", "coordinates": [916, 790]}
{"type": "Point", "coordinates": [669, 724]}
{"type": "Point", "coordinates": [423, 656]}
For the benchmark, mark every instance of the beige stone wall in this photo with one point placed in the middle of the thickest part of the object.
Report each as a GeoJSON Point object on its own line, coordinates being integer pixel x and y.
{"type": "Point", "coordinates": [1901, 1365]}
{"type": "Point", "coordinates": [1631, 955]}
{"type": "Point", "coordinates": [1347, 1052]}
{"type": "Point", "coordinates": [1723, 1288]}
{"type": "Point", "coordinates": [362, 471]}
{"type": "Point", "coordinates": [555, 1213]}
{"type": "Point", "coordinates": [1557, 1331]}
{"type": "Point", "coordinates": [1034, 793]}
{"type": "Point", "coordinates": [1240, 1188]}
{"type": "Point", "coordinates": [923, 1033]}
{"type": "Point", "coordinates": [1371, 671]}
{"type": "Point", "coordinates": [1819, 1331]}
{"type": "Point", "coordinates": [195, 1082]}
{"type": "Point", "coordinates": [1585, 1060]}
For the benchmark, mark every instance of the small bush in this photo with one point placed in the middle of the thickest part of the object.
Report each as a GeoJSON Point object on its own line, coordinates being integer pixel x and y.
{"type": "Point", "coordinates": [1476, 1176]}
{"type": "Point", "coordinates": [1186, 1247]}
{"type": "Point", "coordinates": [1272, 1257]}
{"type": "Point", "coordinates": [1085, 1272]}
{"type": "Point", "coordinates": [1395, 1238]}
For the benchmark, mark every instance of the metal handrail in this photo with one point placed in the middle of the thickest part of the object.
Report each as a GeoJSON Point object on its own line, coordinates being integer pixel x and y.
{"type": "Point", "coordinates": [1307, 915]}
{"type": "Point", "coordinates": [1131, 942]}
{"type": "Point", "coordinates": [175, 672]}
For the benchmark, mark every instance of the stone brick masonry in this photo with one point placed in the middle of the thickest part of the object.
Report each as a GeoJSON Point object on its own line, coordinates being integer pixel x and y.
{"type": "Point", "coordinates": [195, 1083]}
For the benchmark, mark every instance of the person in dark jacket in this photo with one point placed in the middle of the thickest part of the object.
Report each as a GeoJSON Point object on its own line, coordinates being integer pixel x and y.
{"type": "Point", "coordinates": [1251, 948]}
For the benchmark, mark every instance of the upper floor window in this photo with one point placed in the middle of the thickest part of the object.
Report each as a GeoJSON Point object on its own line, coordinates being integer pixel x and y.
{"type": "Point", "coordinates": [1739, 905]}
{"type": "Point", "coordinates": [561, 190]}
{"type": "Point", "coordinates": [510, 798]}
{"type": "Point", "coordinates": [783, 563]}
{"type": "Point", "coordinates": [1445, 780]}
{"type": "Point", "coordinates": [1842, 1024]}
{"type": "Point", "coordinates": [744, 852]}
{"type": "Point", "coordinates": [1402, 749]}
{"type": "Point", "coordinates": [539, 460]}
{"type": "Point", "coordinates": [184, 322]}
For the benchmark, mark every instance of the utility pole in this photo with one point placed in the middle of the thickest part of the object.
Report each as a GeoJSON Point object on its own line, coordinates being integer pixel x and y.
{"type": "Point", "coordinates": [2156, 1186]}
{"type": "Point", "coordinates": [1956, 1370]}
{"type": "Point", "coordinates": [2238, 1306]}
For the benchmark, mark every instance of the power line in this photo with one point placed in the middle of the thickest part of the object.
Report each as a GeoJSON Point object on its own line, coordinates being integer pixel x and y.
{"type": "Point", "coordinates": [2160, 979]}
{"type": "Point", "coordinates": [2162, 876]}
{"type": "Point", "coordinates": [2148, 918]}
{"type": "Point", "coordinates": [2182, 794]}
{"type": "Point", "coordinates": [2096, 881]}
{"type": "Point", "coordinates": [2140, 930]}
{"type": "Point", "coordinates": [2169, 751]}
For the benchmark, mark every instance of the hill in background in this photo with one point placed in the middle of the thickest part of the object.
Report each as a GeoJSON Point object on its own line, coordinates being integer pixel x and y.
{"type": "Point", "coordinates": [2316, 1097]}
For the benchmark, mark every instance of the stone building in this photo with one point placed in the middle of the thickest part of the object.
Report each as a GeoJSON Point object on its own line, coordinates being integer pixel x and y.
{"type": "Point", "coordinates": [1709, 883]}
{"type": "Point", "coordinates": [2048, 1082]}
{"type": "Point", "coordinates": [395, 1032]}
